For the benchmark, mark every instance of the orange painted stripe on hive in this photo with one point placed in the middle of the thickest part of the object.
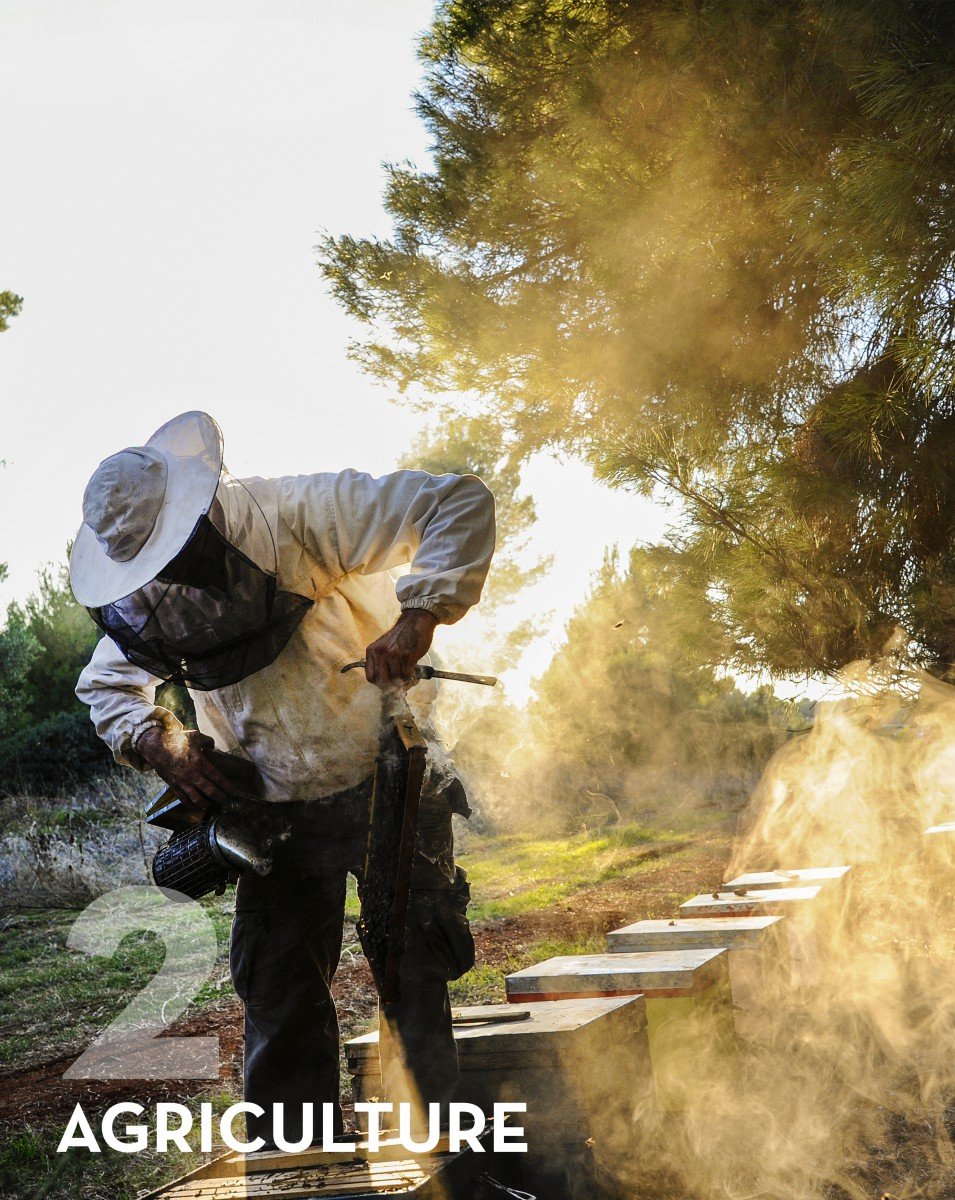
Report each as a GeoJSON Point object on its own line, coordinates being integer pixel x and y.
{"type": "Point", "coordinates": [647, 993]}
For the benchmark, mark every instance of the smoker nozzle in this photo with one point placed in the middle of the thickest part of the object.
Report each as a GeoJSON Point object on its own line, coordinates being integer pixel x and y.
{"type": "Point", "coordinates": [233, 847]}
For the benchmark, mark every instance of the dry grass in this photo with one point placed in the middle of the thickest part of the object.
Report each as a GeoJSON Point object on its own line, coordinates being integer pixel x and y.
{"type": "Point", "coordinates": [63, 852]}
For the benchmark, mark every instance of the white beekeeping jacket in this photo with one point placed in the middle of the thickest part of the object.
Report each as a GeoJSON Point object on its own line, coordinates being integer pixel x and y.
{"type": "Point", "coordinates": [309, 729]}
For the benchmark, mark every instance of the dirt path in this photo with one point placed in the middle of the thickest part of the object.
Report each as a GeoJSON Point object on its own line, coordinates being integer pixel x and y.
{"type": "Point", "coordinates": [593, 911]}
{"type": "Point", "coordinates": [39, 1094]}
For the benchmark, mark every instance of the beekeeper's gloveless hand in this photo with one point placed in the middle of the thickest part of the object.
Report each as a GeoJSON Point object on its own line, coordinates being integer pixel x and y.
{"type": "Point", "coordinates": [390, 661]}
{"type": "Point", "coordinates": [180, 758]}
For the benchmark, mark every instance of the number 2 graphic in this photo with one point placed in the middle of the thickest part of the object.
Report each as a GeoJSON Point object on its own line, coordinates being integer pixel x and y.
{"type": "Point", "coordinates": [130, 1048]}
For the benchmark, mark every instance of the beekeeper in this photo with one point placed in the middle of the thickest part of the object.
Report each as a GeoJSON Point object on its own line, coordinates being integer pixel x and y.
{"type": "Point", "coordinates": [252, 594]}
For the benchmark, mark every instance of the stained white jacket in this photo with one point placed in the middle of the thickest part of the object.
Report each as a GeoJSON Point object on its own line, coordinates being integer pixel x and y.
{"type": "Point", "coordinates": [311, 730]}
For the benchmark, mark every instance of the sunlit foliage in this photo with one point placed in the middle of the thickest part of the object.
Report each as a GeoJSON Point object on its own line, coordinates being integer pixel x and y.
{"type": "Point", "coordinates": [709, 247]}
{"type": "Point", "coordinates": [10, 305]}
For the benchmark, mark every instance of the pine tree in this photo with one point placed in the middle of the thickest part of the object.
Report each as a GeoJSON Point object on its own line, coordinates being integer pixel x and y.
{"type": "Point", "coordinates": [708, 246]}
{"type": "Point", "coordinates": [10, 305]}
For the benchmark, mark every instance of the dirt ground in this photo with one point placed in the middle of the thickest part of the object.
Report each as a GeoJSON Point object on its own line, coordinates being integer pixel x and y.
{"type": "Point", "coordinates": [40, 1094]}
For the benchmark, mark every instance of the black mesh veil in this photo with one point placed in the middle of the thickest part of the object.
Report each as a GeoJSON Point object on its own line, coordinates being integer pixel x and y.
{"type": "Point", "coordinates": [213, 616]}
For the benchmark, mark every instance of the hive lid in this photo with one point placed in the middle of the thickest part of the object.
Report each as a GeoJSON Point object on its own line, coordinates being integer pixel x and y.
{"type": "Point", "coordinates": [731, 933]}
{"type": "Point", "coordinates": [799, 877]}
{"type": "Point", "coordinates": [770, 900]}
{"type": "Point", "coordinates": [654, 973]}
{"type": "Point", "coordinates": [550, 1028]}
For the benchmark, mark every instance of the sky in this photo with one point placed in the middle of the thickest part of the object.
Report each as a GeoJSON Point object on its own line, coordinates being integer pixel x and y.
{"type": "Point", "coordinates": [168, 168]}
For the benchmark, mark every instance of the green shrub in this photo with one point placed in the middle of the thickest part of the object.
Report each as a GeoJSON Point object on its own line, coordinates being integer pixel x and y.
{"type": "Point", "coordinates": [61, 637]}
{"type": "Point", "coordinates": [46, 758]}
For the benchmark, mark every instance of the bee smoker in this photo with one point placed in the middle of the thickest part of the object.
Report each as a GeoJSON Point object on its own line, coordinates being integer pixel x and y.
{"type": "Point", "coordinates": [210, 849]}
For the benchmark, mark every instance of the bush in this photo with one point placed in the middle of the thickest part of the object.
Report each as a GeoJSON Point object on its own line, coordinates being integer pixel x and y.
{"type": "Point", "coordinates": [50, 638]}
{"type": "Point", "coordinates": [59, 752]}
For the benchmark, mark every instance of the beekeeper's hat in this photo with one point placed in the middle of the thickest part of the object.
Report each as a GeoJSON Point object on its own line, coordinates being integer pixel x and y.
{"type": "Point", "coordinates": [141, 507]}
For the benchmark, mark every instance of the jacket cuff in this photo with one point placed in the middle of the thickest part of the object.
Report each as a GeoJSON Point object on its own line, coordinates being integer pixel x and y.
{"type": "Point", "coordinates": [445, 614]}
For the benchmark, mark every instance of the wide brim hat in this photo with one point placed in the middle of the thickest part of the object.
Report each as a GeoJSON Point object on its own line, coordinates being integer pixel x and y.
{"type": "Point", "coordinates": [182, 463]}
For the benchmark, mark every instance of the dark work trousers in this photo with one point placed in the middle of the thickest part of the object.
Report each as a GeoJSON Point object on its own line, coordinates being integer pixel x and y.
{"type": "Point", "coordinates": [286, 944]}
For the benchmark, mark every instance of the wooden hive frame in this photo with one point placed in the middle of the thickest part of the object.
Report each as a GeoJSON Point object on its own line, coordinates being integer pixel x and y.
{"type": "Point", "coordinates": [390, 1172]}
{"type": "Point", "coordinates": [392, 830]}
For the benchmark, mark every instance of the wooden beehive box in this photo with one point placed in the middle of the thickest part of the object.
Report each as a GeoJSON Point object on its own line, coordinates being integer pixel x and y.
{"type": "Point", "coordinates": [800, 877]}
{"type": "Point", "coordinates": [792, 902]}
{"type": "Point", "coordinates": [660, 974]}
{"type": "Point", "coordinates": [689, 1003]}
{"type": "Point", "coordinates": [757, 947]}
{"type": "Point", "coordinates": [582, 1067]}
{"type": "Point", "coordinates": [806, 919]}
{"type": "Point", "coordinates": [392, 1173]}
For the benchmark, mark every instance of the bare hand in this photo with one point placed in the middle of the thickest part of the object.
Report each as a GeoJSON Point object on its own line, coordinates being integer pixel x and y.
{"type": "Point", "coordinates": [179, 758]}
{"type": "Point", "coordinates": [390, 662]}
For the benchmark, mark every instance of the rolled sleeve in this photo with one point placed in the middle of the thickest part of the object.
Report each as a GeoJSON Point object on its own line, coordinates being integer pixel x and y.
{"type": "Point", "coordinates": [443, 525]}
{"type": "Point", "coordinates": [121, 699]}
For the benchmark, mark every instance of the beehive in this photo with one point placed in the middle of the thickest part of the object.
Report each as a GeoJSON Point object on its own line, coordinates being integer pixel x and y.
{"type": "Point", "coordinates": [688, 999]}
{"type": "Point", "coordinates": [661, 974]}
{"type": "Point", "coordinates": [758, 950]}
{"type": "Point", "coordinates": [395, 1175]}
{"type": "Point", "coordinates": [779, 902]}
{"type": "Point", "coordinates": [582, 1067]}
{"type": "Point", "coordinates": [800, 877]}
{"type": "Point", "coordinates": [805, 919]}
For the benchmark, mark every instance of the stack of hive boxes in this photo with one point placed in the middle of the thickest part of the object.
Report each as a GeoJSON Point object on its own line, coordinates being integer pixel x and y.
{"type": "Point", "coordinates": [581, 1066]}
{"type": "Point", "coordinates": [604, 1038]}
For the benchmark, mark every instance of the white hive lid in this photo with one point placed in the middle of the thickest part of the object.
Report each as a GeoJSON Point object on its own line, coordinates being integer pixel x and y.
{"type": "Point", "coordinates": [548, 1028]}
{"type": "Point", "coordinates": [769, 900]}
{"type": "Point", "coordinates": [699, 932]}
{"type": "Point", "coordinates": [650, 972]}
{"type": "Point", "coordinates": [799, 877]}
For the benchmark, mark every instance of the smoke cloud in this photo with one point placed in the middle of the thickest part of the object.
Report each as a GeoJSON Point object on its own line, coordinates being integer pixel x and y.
{"type": "Point", "coordinates": [846, 1091]}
